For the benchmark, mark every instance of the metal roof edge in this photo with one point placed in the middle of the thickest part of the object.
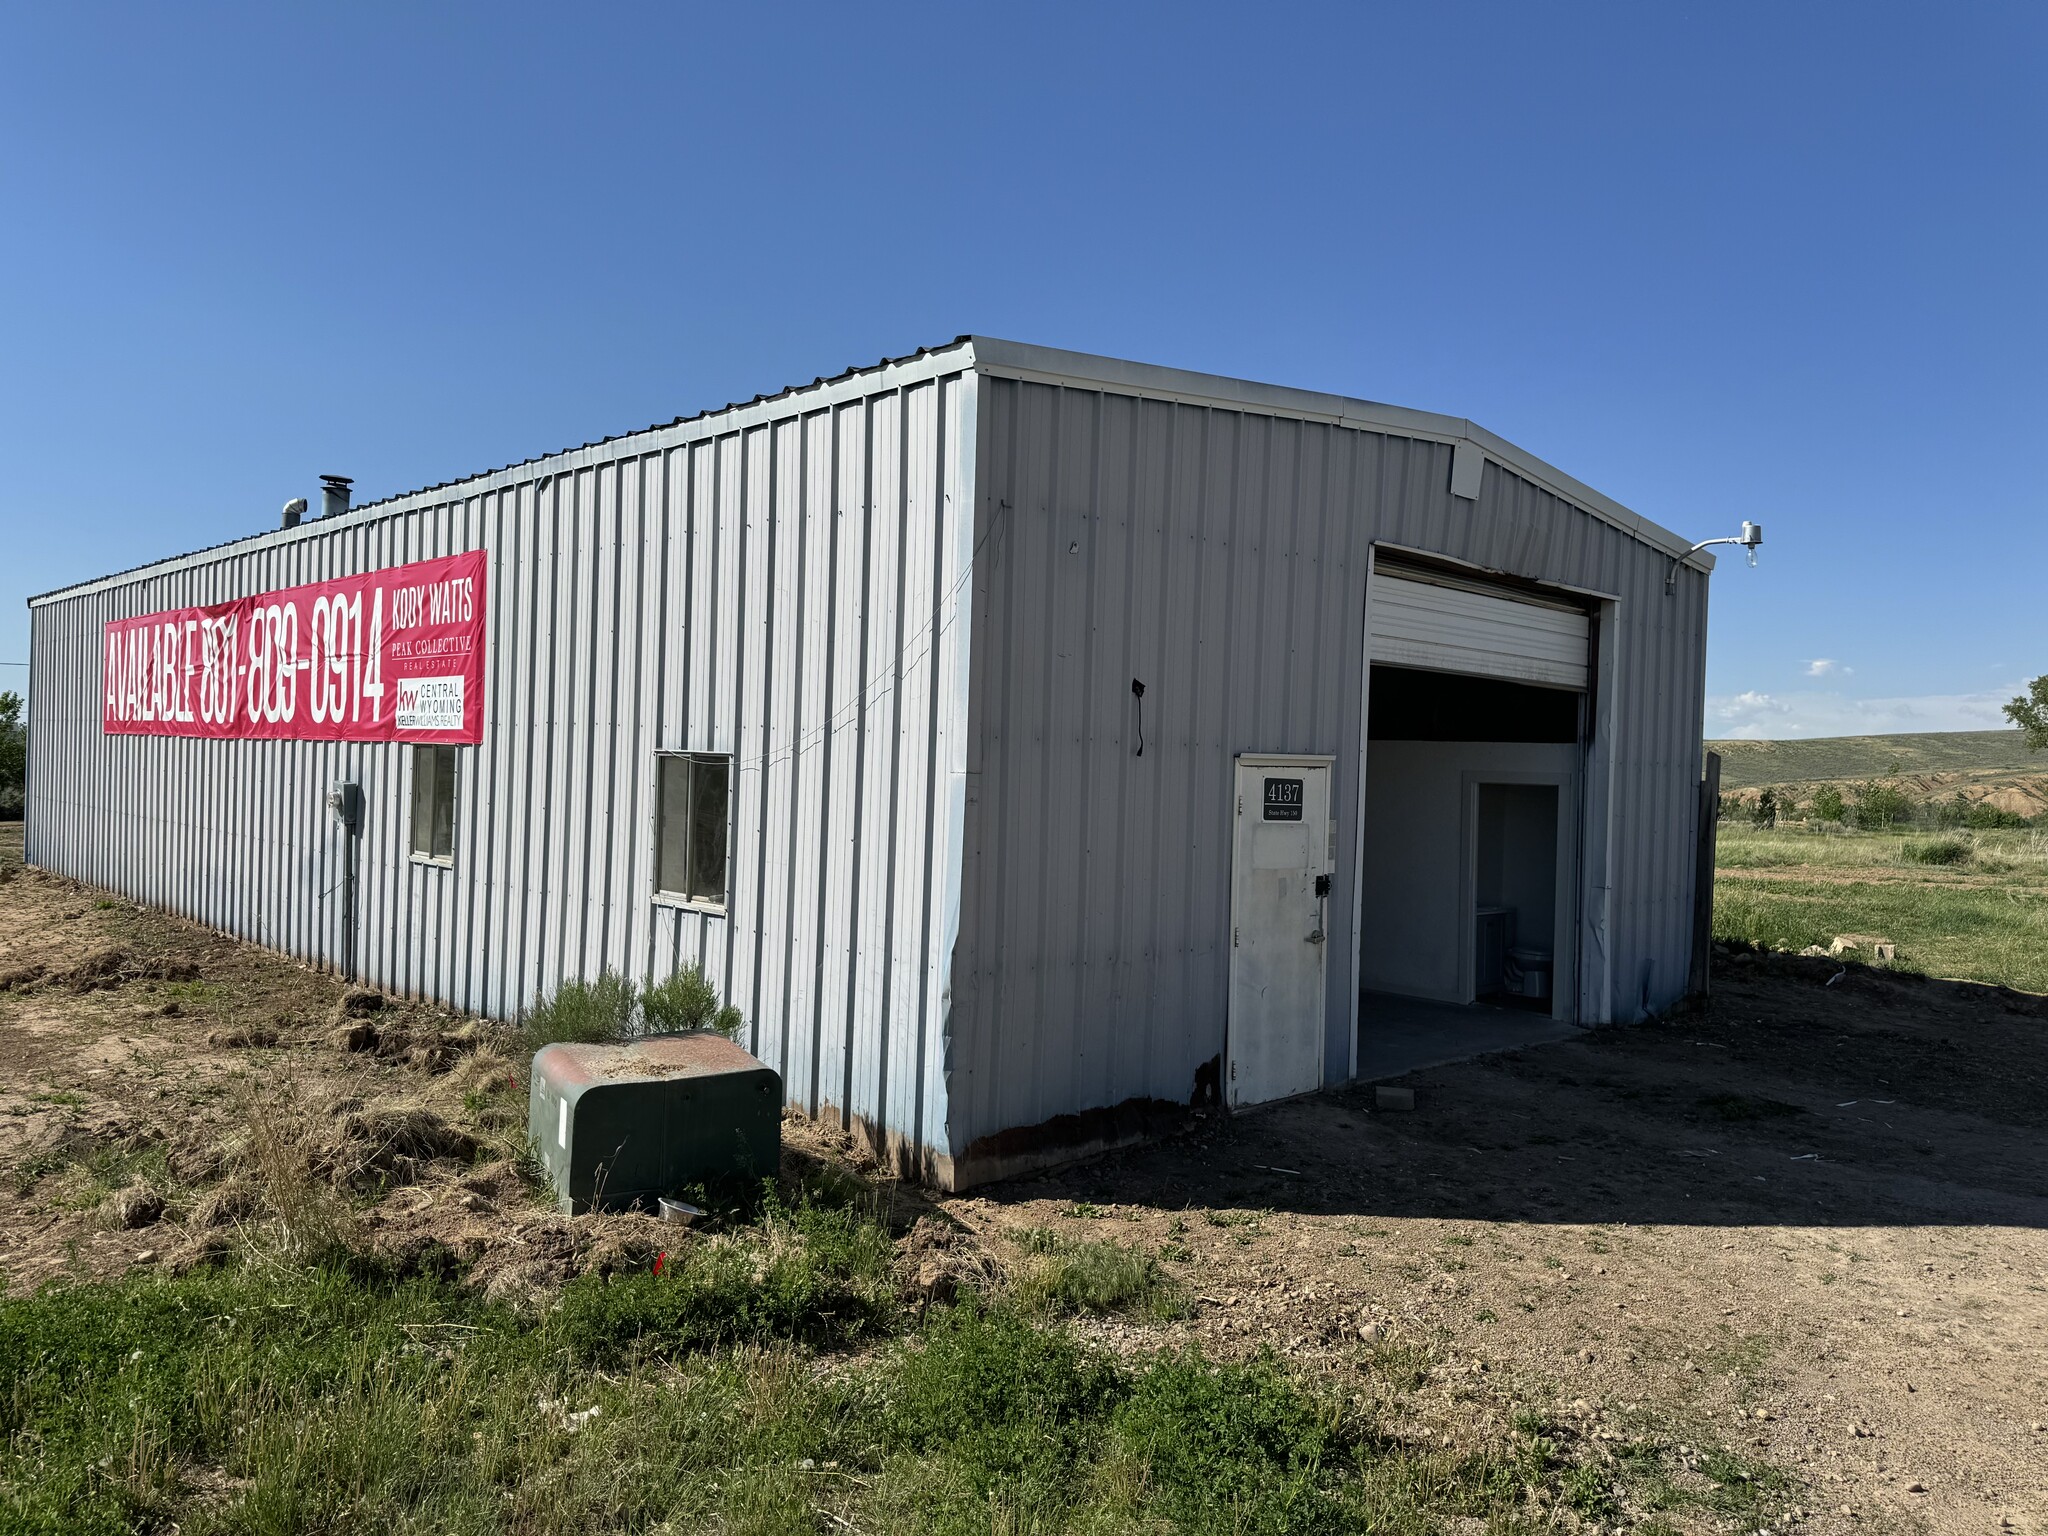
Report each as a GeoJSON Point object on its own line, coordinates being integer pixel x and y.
{"type": "Point", "coordinates": [985, 354]}
{"type": "Point", "coordinates": [951, 357]}
{"type": "Point", "coordinates": [1052, 365]}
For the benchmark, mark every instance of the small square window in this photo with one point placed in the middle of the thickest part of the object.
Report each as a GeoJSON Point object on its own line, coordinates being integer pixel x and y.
{"type": "Point", "coordinates": [433, 804]}
{"type": "Point", "coordinates": [692, 796]}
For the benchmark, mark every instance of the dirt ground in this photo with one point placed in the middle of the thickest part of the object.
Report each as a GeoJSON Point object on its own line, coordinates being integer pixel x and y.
{"type": "Point", "coordinates": [1808, 1218]}
{"type": "Point", "coordinates": [162, 1081]}
{"type": "Point", "coordinates": [1808, 1222]}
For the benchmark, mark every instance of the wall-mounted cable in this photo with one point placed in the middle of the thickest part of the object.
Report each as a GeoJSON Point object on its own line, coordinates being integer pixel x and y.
{"type": "Point", "coordinates": [1138, 693]}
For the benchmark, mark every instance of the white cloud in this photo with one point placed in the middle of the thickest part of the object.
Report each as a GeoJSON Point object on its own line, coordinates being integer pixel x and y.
{"type": "Point", "coordinates": [1827, 666]}
{"type": "Point", "coordinates": [1756, 716]}
{"type": "Point", "coordinates": [1743, 705]}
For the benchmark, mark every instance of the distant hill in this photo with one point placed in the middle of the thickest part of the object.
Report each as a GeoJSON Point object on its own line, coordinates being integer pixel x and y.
{"type": "Point", "coordinates": [1749, 764]}
{"type": "Point", "coordinates": [1979, 767]}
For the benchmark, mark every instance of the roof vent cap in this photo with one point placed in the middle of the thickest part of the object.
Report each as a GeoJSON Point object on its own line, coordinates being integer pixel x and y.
{"type": "Point", "coordinates": [334, 494]}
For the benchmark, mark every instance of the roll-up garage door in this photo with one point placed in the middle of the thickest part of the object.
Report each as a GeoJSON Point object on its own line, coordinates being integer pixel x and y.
{"type": "Point", "coordinates": [1464, 628]}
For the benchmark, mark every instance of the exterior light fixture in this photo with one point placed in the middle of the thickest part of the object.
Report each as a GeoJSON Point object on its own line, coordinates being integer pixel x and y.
{"type": "Point", "coordinates": [1751, 536]}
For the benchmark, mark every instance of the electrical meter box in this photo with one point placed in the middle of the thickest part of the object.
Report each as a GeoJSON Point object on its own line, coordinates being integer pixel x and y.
{"type": "Point", "coordinates": [618, 1126]}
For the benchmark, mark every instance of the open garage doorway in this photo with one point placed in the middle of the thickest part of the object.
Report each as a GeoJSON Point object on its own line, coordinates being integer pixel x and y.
{"type": "Point", "coordinates": [1469, 904]}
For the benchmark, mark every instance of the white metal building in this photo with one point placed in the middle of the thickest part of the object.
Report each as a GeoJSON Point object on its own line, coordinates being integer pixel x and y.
{"type": "Point", "coordinates": [1024, 740]}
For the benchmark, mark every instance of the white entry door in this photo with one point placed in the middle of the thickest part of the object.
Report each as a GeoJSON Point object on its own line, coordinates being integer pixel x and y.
{"type": "Point", "coordinates": [1282, 857]}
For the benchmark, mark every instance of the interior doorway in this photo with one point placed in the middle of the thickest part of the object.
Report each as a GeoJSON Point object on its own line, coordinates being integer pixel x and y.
{"type": "Point", "coordinates": [1515, 897]}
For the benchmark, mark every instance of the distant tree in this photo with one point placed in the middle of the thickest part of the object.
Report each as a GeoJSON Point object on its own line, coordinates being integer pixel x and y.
{"type": "Point", "coordinates": [2030, 713]}
{"type": "Point", "coordinates": [1879, 805]}
{"type": "Point", "coordinates": [1827, 803]}
{"type": "Point", "coordinates": [13, 756]}
{"type": "Point", "coordinates": [1766, 812]}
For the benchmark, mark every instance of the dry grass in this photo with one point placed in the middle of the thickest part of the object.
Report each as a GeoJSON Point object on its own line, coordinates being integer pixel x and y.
{"type": "Point", "coordinates": [310, 1218]}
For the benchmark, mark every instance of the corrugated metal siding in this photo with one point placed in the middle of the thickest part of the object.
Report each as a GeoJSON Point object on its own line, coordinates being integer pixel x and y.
{"type": "Point", "coordinates": [785, 582]}
{"type": "Point", "coordinates": [947, 919]}
{"type": "Point", "coordinates": [1220, 556]}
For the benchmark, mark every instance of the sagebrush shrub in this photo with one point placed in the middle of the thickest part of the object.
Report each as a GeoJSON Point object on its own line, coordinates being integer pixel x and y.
{"type": "Point", "coordinates": [687, 1000]}
{"type": "Point", "coordinates": [583, 1012]}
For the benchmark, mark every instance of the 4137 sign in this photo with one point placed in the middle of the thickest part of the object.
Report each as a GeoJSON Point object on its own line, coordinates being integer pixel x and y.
{"type": "Point", "coordinates": [1283, 800]}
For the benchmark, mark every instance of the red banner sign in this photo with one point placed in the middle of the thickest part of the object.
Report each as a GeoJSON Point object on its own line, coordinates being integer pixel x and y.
{"type": "Point", "coordinates": [394, 655]}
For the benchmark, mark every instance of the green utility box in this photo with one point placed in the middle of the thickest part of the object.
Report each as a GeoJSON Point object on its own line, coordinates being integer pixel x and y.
{"type": "Point", "coordinates": [618, 1126]}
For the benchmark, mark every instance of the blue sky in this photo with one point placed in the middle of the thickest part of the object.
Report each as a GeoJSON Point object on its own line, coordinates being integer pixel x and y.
{"type": "Point", "coordinates": [1777, 262]}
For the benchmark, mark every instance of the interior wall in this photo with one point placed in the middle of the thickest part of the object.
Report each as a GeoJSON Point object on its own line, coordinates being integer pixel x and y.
{"type": "Point", "coordinates": [1517, 859]}
{"type": "Point", "coordinates": [1411, 941]}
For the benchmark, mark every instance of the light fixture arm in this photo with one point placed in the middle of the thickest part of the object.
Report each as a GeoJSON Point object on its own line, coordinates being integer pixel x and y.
{"type": "Point", "coordinates": [1751, 536]}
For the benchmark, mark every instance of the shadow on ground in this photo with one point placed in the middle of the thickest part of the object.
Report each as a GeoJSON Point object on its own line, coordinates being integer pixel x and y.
{"type": "Point", "coordinates": [1786, 1100]}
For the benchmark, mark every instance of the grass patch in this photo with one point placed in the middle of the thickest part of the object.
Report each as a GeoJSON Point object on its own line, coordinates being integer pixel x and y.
{"type": "Point", "coordinates": [110, 1168]}
{"type": "Point", "coordinates": [37, 1166]}
{"type": "Point", "coordinates": [342, 1398]}
{"type": "Point", "coordinates": [1403, 1366]}
{"type": "Point", "coordinates": [1242, 1225]}
{"type": "Point", "coordinates": [1943, 850]}
{"type": "Point", "coordinates": [1059, 1275]}
{"type": "Point", "coordinates": [194, 994]}
{"type": "Point", "coordinates": [1742, 1357]}
{"type": "Point", "coordinates": [815, 1275]}
{"type": "Point", "coordinates": [1984, 921]}
{"type": "Point", "coordinates": [1740, 1487]}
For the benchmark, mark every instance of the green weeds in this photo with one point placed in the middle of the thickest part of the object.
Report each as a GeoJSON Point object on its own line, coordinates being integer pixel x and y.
{"type": "Point", "coordinates": [1742, 1357]}
{"type": "Point", "coordinates": [1061, 1276]}
{"type": "Point", "coordinates": [36, 1167]}
{"type": "Point", "coordinates": [344, 1397]}
{"type": "Point", "coordinates": [194, 994]}
{"type": "Point", "coordinates": [816, 1275]}
{"type": "Point", "coordinates": [764, 1376]}
{"type": "Point", "coordinates": [1943, 850]}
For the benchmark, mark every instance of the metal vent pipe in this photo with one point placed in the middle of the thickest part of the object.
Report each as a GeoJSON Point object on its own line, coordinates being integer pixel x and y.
{"type": "Point", "coordinates": [293, 511]}
{"type": "Point", "coordinates": [334, 495]}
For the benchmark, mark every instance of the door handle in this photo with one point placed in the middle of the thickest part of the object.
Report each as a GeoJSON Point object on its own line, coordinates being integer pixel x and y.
{"type": "Point", "coordinates": [1316, 937]}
